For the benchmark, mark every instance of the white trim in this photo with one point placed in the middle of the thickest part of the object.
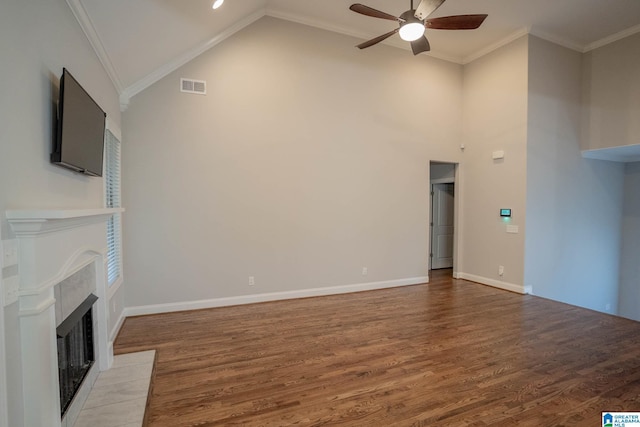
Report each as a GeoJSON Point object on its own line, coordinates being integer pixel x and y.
{"type": "Point", "coordinates": [621, 153]}
{"type": "Point", "coordinates": [557, 40]}
{"type": "Point", "coordinates": [127, 93]}
{"type": "Point", "coordinates": [89, 30]}
{"type": "Point", "coordinates": [113, 127]}
{"type": "Point", "coordinates": [612, 38]}
{"type": "Point", "coordinates": [495, 46]}
{"type": "Point", "coordinates": [494, 283]}
{"type": "Point", "coordinates": [164, 70]}
{"type": "Point", "coordinates": [274, 296]}
{"type": "Point", "coordinates": [323, 25]}
{"type": "Point", "coordinates": [115, 330]}
{"type": "Point", "coordinates": [36, 222]}
{"type": "Point", "coordinates": [111, 291]}
{"type": "Point", "coordinates": [57, 214]}
{"type": "Point", "coordinates": [178, 62]}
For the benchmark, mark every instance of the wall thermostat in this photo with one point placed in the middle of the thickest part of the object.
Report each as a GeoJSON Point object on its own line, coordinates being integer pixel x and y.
{"type": "Point", "coordinates": [505, 213]}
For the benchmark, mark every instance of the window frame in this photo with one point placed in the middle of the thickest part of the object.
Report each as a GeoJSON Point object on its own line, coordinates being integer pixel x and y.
{"type": "Point", "coordinates": [116, 218]}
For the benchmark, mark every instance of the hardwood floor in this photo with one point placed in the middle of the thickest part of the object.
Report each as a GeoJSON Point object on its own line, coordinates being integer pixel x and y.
{"type": "Point", "coordinates": [449, 353]}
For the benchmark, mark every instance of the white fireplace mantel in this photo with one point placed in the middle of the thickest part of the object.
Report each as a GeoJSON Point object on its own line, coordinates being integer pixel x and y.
{"type": "Point", "coordinates": [39, 221]}
{"type": "Point", "coordinates": [52, 245]}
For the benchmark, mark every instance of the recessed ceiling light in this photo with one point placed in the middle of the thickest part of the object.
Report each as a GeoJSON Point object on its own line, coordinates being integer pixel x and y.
{"type": "Point", "coordinates": [217, 4]}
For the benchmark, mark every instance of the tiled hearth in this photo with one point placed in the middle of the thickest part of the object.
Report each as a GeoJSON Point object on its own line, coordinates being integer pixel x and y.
{"type": "Point", "coordinates": [119, 395]}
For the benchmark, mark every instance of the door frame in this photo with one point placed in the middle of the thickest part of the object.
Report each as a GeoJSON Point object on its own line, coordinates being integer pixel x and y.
{"type": "Point", "coordinates": [457, 208]}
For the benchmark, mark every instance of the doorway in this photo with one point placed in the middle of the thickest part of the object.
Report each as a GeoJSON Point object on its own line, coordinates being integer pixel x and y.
{"type": "Point", "coordinates": [442, 216]}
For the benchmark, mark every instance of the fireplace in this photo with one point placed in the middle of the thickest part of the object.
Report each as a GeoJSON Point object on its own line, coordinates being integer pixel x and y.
{"type": "Point", "coordinates": [55, 247]}
{"type": "Point", "coordinates": [75, 351]}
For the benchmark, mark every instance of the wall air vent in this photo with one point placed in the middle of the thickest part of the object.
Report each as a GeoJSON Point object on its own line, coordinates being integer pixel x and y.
{"type": "Point", "coordinates": [193, 86]}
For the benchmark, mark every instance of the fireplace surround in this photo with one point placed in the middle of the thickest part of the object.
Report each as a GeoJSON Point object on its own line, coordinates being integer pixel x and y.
{"type": "Point", "coordinates": [52, 246]}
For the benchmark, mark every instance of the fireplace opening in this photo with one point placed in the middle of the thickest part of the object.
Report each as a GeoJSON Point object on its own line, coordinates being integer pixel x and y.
{"type": "Point", "coordinates": [75, 351]}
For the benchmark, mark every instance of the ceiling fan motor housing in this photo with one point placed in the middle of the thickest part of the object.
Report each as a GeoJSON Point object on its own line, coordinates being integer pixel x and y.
{"type": "Point", "coordinates": [411, 28]}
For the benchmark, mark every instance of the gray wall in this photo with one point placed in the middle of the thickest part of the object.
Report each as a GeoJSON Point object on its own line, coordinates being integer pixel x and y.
{"type": "Point", "coordinates": [37, 39]}
{"type": "Point", "coordinates": [306, 161]}
{"type": "Point", "coordinates": [495, 118]}
{"type": "Point", "coordinates": [574, 204]}
{"type": "Point", "coordinates": [629, 303]}
{"type": "Point", "coordinates": [612, 95]}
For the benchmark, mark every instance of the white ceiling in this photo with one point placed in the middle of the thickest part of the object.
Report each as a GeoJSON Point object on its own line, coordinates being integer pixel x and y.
{"type": "Point", "coordinates": [140, 41]}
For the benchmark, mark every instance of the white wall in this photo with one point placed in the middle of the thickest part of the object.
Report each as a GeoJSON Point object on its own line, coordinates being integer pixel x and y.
{"type": "Point", "coordinates": [37, 39]}
{"type": "Point", "coordinates": [612, 95]}
{"type": "Point", "coordinates": [495, 118]}
{"type": "Point", "coordinates": [3, 358]}
{"type": "Point", "coordinates": [629, 301]}
{"type": "Point", "coordinates": [306, 161]}
{"type": "Point", "coordinates": [574, 204]}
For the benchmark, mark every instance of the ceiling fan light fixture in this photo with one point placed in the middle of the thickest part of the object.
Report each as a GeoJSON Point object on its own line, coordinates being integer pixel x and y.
{"type": "Point", "coordinates": [217, 4]}
{"type": "Point", "coordinates": [411, 31]}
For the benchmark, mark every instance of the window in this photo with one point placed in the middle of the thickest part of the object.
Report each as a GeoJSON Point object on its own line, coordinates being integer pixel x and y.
{"type": "Point", "coordinates": [112, 195]}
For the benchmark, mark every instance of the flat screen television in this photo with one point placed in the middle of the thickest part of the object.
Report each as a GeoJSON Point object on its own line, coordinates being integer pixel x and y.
{"type": "Point", "coordinates": [79, 142]}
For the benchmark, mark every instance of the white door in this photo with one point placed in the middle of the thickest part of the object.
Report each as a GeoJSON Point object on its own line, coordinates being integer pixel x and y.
{"type": "Point", "coordinates": [442, 197]}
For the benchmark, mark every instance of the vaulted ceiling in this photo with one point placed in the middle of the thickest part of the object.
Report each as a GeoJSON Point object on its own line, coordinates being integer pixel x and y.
{"type": "Point", "coordinates": [141, 41]}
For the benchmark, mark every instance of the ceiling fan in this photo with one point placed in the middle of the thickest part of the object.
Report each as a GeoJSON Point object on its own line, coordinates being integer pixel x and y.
{"type": "Point", "coordinates": [413, 23]}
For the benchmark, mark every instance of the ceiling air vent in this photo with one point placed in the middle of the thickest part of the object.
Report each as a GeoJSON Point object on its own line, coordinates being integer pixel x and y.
{"type": "Point", "coordinates": [193, 86]}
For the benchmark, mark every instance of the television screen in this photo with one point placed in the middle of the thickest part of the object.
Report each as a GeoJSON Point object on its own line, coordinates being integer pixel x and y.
{"type": "Point", "coordinates": [80, 135]}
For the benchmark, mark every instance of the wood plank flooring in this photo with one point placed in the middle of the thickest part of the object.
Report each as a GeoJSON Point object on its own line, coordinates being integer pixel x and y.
{"type": "Point", "coordinates": [448, 353]}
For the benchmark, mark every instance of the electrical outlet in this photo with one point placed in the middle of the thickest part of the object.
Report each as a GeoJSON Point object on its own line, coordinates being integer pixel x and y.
{"type": "Point", "coordinates": [113, 306]}
{"type": "Point", "coordinates": [252, 281]}
{"type": "Point", "coordinates": [607, 307]}
{"type": "Point", "coordinates": [365, 271]}
{"type": "Point", "coordinates": [501, 270]}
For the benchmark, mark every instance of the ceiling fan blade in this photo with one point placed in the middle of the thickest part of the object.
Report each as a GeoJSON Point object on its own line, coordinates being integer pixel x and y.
{"type": "Point", "coordinates": [377, 39]}
{"type": "Point", "coordinates": [420, 45]}
{"type": "Point", "coordinates": [426, 8]}
{"type": "Point", "coordinates": [457, 22]}
{"type": "Point", "coordinates": [369, 11]}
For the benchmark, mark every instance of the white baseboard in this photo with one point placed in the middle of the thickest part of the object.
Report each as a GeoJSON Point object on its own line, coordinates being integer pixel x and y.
{"type": "Point", "coordinates": [114, 333]}
{"type": "Point", "coordinates": [275, 296]}
{"type": "Point", "coordinates": [495, 283]}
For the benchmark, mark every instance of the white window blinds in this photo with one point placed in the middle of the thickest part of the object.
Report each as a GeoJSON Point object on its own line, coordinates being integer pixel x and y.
{"type": "Point", "coordinates": [112, 194]}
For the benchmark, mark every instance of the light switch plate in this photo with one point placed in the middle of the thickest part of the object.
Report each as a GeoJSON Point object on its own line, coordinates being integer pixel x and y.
{"type": "Point", "coordinates": [513, 229]}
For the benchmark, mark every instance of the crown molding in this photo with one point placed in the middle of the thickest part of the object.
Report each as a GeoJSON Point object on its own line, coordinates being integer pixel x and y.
{"type": "Point", "coordinates": [191, 54]}
{"type": "Point", "coordinates": [613, 38]}
{"type": "Point", "coordinates": [557, 40]}
{"type": "Point", "coordinates": [497, 45]}
{"type": "Point", "coordinates": [89, 30]}
{"type": "Point", "coordinates": [323, 25]}
{"type": "Point", "coordinates": [127, 93]}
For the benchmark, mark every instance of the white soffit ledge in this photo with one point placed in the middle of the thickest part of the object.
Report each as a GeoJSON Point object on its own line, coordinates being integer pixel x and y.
{"type": "Point", "coordinates": [625, 153]}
